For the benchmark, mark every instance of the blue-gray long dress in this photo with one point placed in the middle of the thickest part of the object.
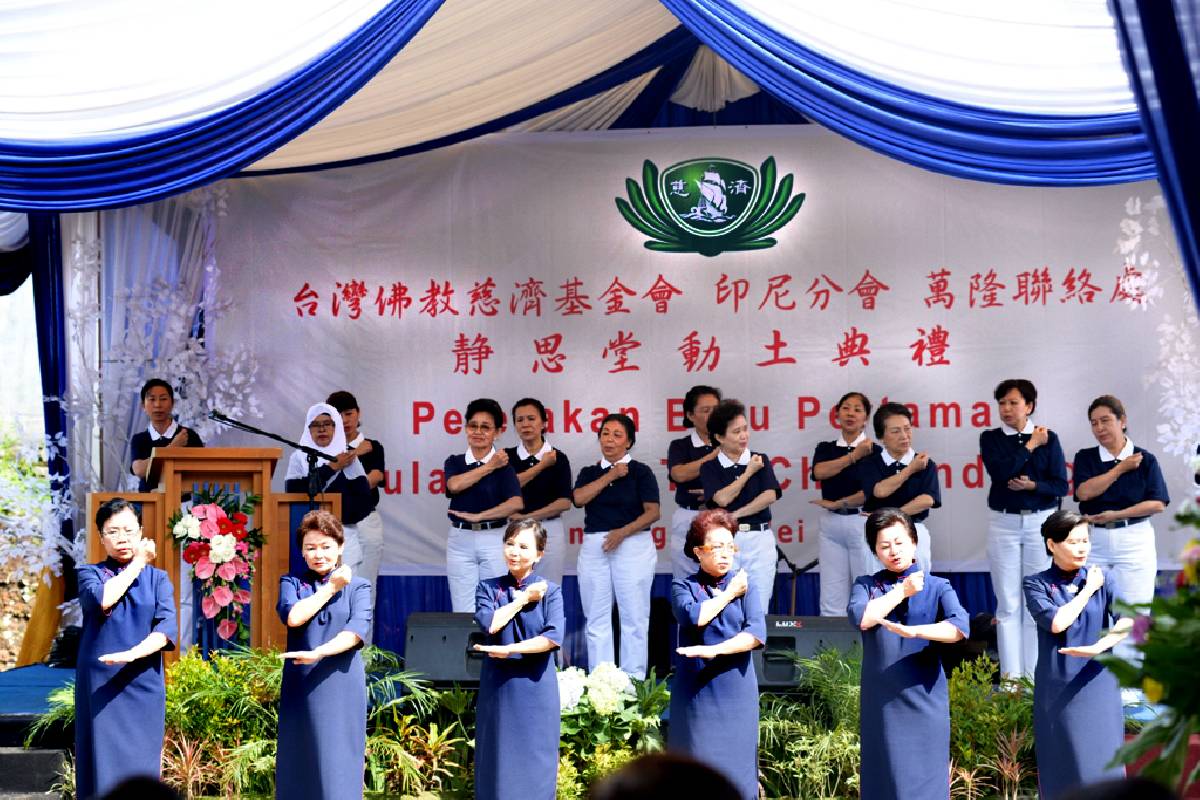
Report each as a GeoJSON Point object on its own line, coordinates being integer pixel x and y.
{"type": "Point", "coordinates": [905, 700]}
{"type": "Point", "coordinates": [120, 709]}
{"type": "Point", "coordinates": [714, 702]}
{"type": "Point", "coordinates": [323, 706]}
{"type": "Point", "coordinates": [517, 721]}
{"type": "Point", "coordinates": [1077, 719]}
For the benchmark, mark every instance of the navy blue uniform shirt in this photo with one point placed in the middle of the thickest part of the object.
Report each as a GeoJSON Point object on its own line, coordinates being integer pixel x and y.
{"type": "Point", "coordinates": [1144, 483]}
{"type": "Point", "coordinates": [715, 476]}
{"type": "Point", "coordinates": [684, 451]}
{"type": "Point", "coordinates": [142, 443]}
{"type": "Point", "coordinates": [1005, 457]}
{"type": "Point", "coordinates": [619, 503]}
{"type": "Point", "coordinates": [872, 470]}
{"type": "Point", "coordinates": [551, 484]}
{"type": "Point", "coordinates": [373, 460]}
{"type": "Point", "coordinates": [356, 493]}
{"type": "Point", "coordinates": [492, 490]}
{"type": "Point", "coordinates": [846, 482]}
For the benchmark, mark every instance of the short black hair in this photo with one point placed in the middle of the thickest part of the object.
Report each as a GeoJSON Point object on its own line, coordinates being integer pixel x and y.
{"type": "Point", "coordinates": [725, 412]}
{"type": "Point", "coordinates": [626, 423]}
{"type": "Point", "coordinates": [521, 525]}
{"type": "Point", "coordinates": [884, 518]}
{"type": "Point", "coordinates": [485, 405]}
{"type": "Point", "coordinates": [693, 396]}
{"type": "Point", "coordinates": [1111, 403]}
{"type": "Point", "coordinates": [1058, 526]}
{"type": "Point", "coordinates": [658, 775]}
{"type": "Point", "coordinates": [530, 401]}
{"type": "Point", "coordinates": [150, 384]}
{"type": "Point", "coordinates": [343, 401]}
{"type": "Point", "coordinates": [111, 508]}
{"type": "Point", "coordinates": [1026, 388]}
{"type": "Point", "coordinates": [866, 404]}
{"type": "Point", "coordinates": [886, 411]}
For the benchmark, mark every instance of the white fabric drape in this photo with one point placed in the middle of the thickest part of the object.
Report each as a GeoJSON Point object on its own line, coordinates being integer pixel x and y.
{"type": "Point", "coordinates": [72, 71]}
{"type": "Point", "coordinates": [710, 83]}
{"type": "Point", "coordinates": [596, 113]}
{"type": "Point", "coordinates": [475, 61]}
{"type": "Point", "coordinates": [14, 230]}
{"type": "Point", "coordinates": [1036, 56]}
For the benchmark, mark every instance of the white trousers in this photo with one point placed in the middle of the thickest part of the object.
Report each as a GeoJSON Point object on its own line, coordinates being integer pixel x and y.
{"type": "Point", "coordinates": [682, 565]}
{"type": "Point", "coordinates": [554, 557]}
{"type": "Point", "coordinates": [756, 555]}
{"type": "Point", "coordinates": [352, 552]}
{"type": "Point", "coordinates": [370, 539]}
{"type": "Point", "coordinates": [472, 556]}
{"type": "Point", "coordinates": [924, 549]}
{"type": "Point", "coordinates": [623, 575]}
{"type": "Point", "coordinates": [1015, 551]}
{"type": "Point", "coordinates": [844, 556]}
{"type": "Point", "coordinates": [1131, 556]}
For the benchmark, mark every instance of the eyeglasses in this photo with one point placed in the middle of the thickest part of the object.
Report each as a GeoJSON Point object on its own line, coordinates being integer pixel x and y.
{"type": "Point", "coordinates": [717, 549]}
{"type": "Point", "coordinates": [117, 533]}
{"type": "Point", "coordinates": [476, 427]}
{"type": "Point", "coordinates": [320, 426]}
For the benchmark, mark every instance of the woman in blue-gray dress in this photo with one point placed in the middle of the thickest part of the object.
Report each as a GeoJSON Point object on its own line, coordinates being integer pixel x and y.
{"type": "Point", "coordinates": [128, 620]}
{"type": "Point", "coordinates": [904, 701]}
{"type": "Point", "coordinates": [517, 719]}
{"type": "Point", "coordinates": [1077, 719]}
{"type": "Point", "coordinates": [714, 693]}
{"type": "Point", "coordinates": [323, 698]}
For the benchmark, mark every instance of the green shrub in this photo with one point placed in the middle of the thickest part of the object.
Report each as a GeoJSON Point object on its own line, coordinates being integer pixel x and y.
{"type": "Point", "coordinates": [991, 729]}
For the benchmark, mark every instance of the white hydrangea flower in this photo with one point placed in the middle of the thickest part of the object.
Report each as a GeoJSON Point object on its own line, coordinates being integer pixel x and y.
{"type": "Point", "coordinates": [222, 548]}
{"type": "Point", "coordinates": [188, 527]}
{"type": "Point", "coordinates": [570, 688]}
{"type": "Point", "coordinates": [612, 676]}
{"type": "Point", "coordinates": [605, 699]}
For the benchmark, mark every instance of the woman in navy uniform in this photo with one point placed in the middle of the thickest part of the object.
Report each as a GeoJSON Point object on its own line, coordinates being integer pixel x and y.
{"type": "Point", "coordinates": [484, 492]}
{"type": "Point", "coordinates": [1119, 487]}
{"type": "Point", "coordinates": [128, 620]}
{"type": "Point", "coordinates": [714, 692]}
{"type": "Point", "coordinates": [843, 551]}
{"type": "Point", "coordinates": [899, 477]}
{"type": "Point", "coordinates": [905, 701]}
{"type": "Point", "coordinates": [744, 484]}
{"type": "Point", "coordinates": [1029, 479]}
{"type": "Point", "coordinates": [341, 473]}
{"type": "Point", "coordinates": [685, 456]}
{"type": "Point", "coordinates": [1077, 720]}
{"type": "Point", "coordinates": [517, 720]}
{"type": "Point", "coordinates": [323, 697]}
{"type": "Point", "coordinates": [619, 497]}
{"type": "Point", "coordinates": [544, 473]}
{"type": "Point", "coordinates": [158, 401]}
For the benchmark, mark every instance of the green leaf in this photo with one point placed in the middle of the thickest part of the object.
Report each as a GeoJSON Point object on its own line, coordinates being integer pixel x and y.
{"type": "Point", "coordinates": [782, 219]}
{"type": "Point", "coordinates": [638, 201]}
{"type": "Point", "coordinates": [650, 184]}
{"type": "Point", "coordinates": [633, 219]}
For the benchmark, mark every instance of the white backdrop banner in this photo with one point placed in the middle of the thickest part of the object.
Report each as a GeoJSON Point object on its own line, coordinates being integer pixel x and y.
{"type": "Point", "coordinates": [504, 268]}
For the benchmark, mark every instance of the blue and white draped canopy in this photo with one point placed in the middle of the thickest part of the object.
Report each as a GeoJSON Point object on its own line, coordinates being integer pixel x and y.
{"type": "Point", "coordinates": [115, 102]}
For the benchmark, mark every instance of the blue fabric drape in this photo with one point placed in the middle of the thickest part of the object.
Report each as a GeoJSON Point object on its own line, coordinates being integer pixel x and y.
{"type": "Point", "coordinates": [678, 45]}
{"type": "Point", "coordinates": [50, 309]}
{"type": "Point", "coordinates": [951, 138]}
{"type": "Point", "coordinates": [110, 174]}
{"type": "Point", "coordinates": [1160, 42]}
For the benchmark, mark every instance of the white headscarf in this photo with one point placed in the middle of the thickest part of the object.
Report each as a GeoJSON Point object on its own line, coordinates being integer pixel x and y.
{"type": "Point", "coordinates": [298, 463]}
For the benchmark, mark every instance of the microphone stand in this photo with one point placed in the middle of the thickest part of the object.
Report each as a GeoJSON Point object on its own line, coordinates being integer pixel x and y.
{"type": "Point", "coordinates": [312, 453]}
{"type": "Point", "coordinates": [796, 572]}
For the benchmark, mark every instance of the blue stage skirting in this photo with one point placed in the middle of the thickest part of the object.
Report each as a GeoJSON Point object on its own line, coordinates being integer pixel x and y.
{"type": "Point", "coordinates": [23, 691]}
{"type": "Point", "coordinates": [399, 596]}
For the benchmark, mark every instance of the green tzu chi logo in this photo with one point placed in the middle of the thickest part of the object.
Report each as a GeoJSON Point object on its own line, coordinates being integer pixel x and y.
{"type": "Point", "coordinates": [709, 206]}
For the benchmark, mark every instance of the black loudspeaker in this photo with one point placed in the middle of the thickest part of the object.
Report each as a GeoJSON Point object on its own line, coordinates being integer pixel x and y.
{"type": "Point", "coordinates": [802, 636]}
{"type": "Point", "coordinates": [439, 645]}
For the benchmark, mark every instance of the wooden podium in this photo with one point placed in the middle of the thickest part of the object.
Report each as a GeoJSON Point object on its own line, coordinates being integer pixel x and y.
{"type": "Point", "coordinates": [177, 471]}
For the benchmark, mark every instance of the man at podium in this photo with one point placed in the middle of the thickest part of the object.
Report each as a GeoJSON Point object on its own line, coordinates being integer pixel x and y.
{"type": "Point", "coordinates": [158, 401]}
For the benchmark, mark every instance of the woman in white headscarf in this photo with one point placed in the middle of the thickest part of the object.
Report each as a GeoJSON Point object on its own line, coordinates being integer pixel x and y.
{"type": "Point", "coordinates": [339, 473]}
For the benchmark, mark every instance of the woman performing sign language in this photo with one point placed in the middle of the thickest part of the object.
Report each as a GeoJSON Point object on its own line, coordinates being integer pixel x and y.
{"type": "Point", "coordinates": [128, 620]}
{"type": "Point", "coordinates": [323, 697]}
{"type": "Point", "coordinates": [905, 700]}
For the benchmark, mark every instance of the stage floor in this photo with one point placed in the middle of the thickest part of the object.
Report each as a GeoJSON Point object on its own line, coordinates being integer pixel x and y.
{"type": "Point", "coordinates": [24, 694]}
